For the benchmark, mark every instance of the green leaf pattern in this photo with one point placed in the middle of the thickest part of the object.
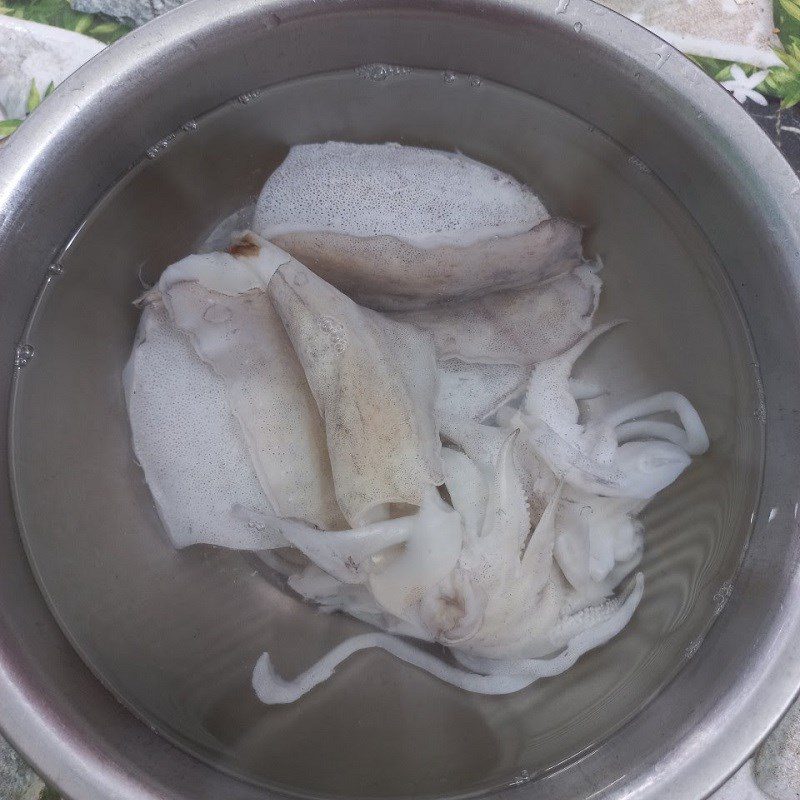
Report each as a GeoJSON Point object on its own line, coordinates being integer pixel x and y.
{"type": "Point", "coordinates": [781, 82]}
{"type": "Point", "coordinates": [34, 98]}
{"type": "Point", "coordinates": [60, 14]}
{"type": "Point", "coordinates": [8, 126]}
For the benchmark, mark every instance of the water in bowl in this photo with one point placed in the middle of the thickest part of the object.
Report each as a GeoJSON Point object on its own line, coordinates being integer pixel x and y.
{"type": "Point", "coordinates": [175, 634]}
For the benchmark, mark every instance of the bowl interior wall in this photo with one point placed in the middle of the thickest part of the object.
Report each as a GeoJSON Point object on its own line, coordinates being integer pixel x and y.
{"type": "Point", "coordinates": [175, 634]}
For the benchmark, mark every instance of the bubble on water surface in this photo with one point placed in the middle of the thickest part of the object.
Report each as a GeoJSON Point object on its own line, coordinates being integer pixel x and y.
{"type": "Point", "coordinates": [377, 73]}
{"type": "Point", "coordinates": [23, 354]}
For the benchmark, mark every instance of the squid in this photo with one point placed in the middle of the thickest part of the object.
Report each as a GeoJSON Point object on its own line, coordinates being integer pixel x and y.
{"type": "Point", "coordinates": [482, 676]}
{"type": "Point", "coordinates": [520, 327]}
{"type": "Point", "coordinates": [467, 485]}
{"type": "Point", "coordinates": [620, 456]}
{"type": "Point", "coordinates": [486, 347]}
{"type": "Point", "coordinates": [188, 443]}
{"type": "Point", "coordinates": [402, 227]}
{"type": "Point", "coordinates": [398, 560]}
{"type": "Point", "coordinates": [219, 302]}
{"type": "Point", "coordinates": [600, 543]}
{"type": "Point", "coordinates": [374, 381]}
{"type": "Point", "coordinates": [380, 401]}
{"type": "Point", "coordinates": [476, 391]}
{"type": "Point", "coordinates": [336, 401]}
{"type": "Point", "coordinates": [499, 605]}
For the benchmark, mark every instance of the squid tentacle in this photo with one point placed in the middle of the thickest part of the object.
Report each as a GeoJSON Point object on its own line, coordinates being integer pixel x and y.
{"type": "Point", "coordinates": [692, 437]}
{"type": "Point", "coordinates": [620, 611]}
{"type": "Point", "coordinates": [488, 677]}
{"type": "Point", "coordinates": [341, 554]}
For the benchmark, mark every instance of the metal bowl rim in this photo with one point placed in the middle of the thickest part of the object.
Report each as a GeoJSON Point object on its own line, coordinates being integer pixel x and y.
{"type": "Point", "coordinates": [71, 758]}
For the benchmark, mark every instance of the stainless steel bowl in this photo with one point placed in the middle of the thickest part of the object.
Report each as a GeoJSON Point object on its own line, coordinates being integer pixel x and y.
{"type": "Point", "coordinates": [130, 165]}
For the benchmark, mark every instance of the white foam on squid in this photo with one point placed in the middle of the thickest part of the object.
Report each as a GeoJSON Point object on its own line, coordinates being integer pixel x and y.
{"type": "Point", "coordinates": [243, 340]}
{"type": "Point", "coordinates": [402, 227]}
{"type": "Point", "coordinates": [189, 445]}
{"type": "Point", "coordinates": [425, 197]}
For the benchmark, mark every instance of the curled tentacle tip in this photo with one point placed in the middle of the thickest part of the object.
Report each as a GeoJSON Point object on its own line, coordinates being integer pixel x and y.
{"type": "Point", "coordinates": [264, 677]}
{"type": "Point", "coordinates": [271, 688]}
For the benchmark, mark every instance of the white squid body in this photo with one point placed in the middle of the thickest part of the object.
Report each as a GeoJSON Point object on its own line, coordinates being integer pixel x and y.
{"type": "Point", "coordinates": [374, 382]}
{"type": "Point", "coordinates": [336, 403]}
{"type": "Point", "coordinates": [402, 227]}
{"type": "Point", "coordinates": [517, 327]}
{"type": "Point", "coordinates": [431, 463]}
{"type": "Point", "coordinates": [485, 586]}
{"type": "Point", "coordinates": [512, 604]}
{"type": "Point", "coordinates": [193, 453]}
{"type": "Point", "coordinates": [217, 301]}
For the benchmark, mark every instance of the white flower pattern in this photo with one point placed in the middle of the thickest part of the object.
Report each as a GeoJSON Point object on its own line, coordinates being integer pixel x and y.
{"type": "Point", "coordinates": [743, 87]}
